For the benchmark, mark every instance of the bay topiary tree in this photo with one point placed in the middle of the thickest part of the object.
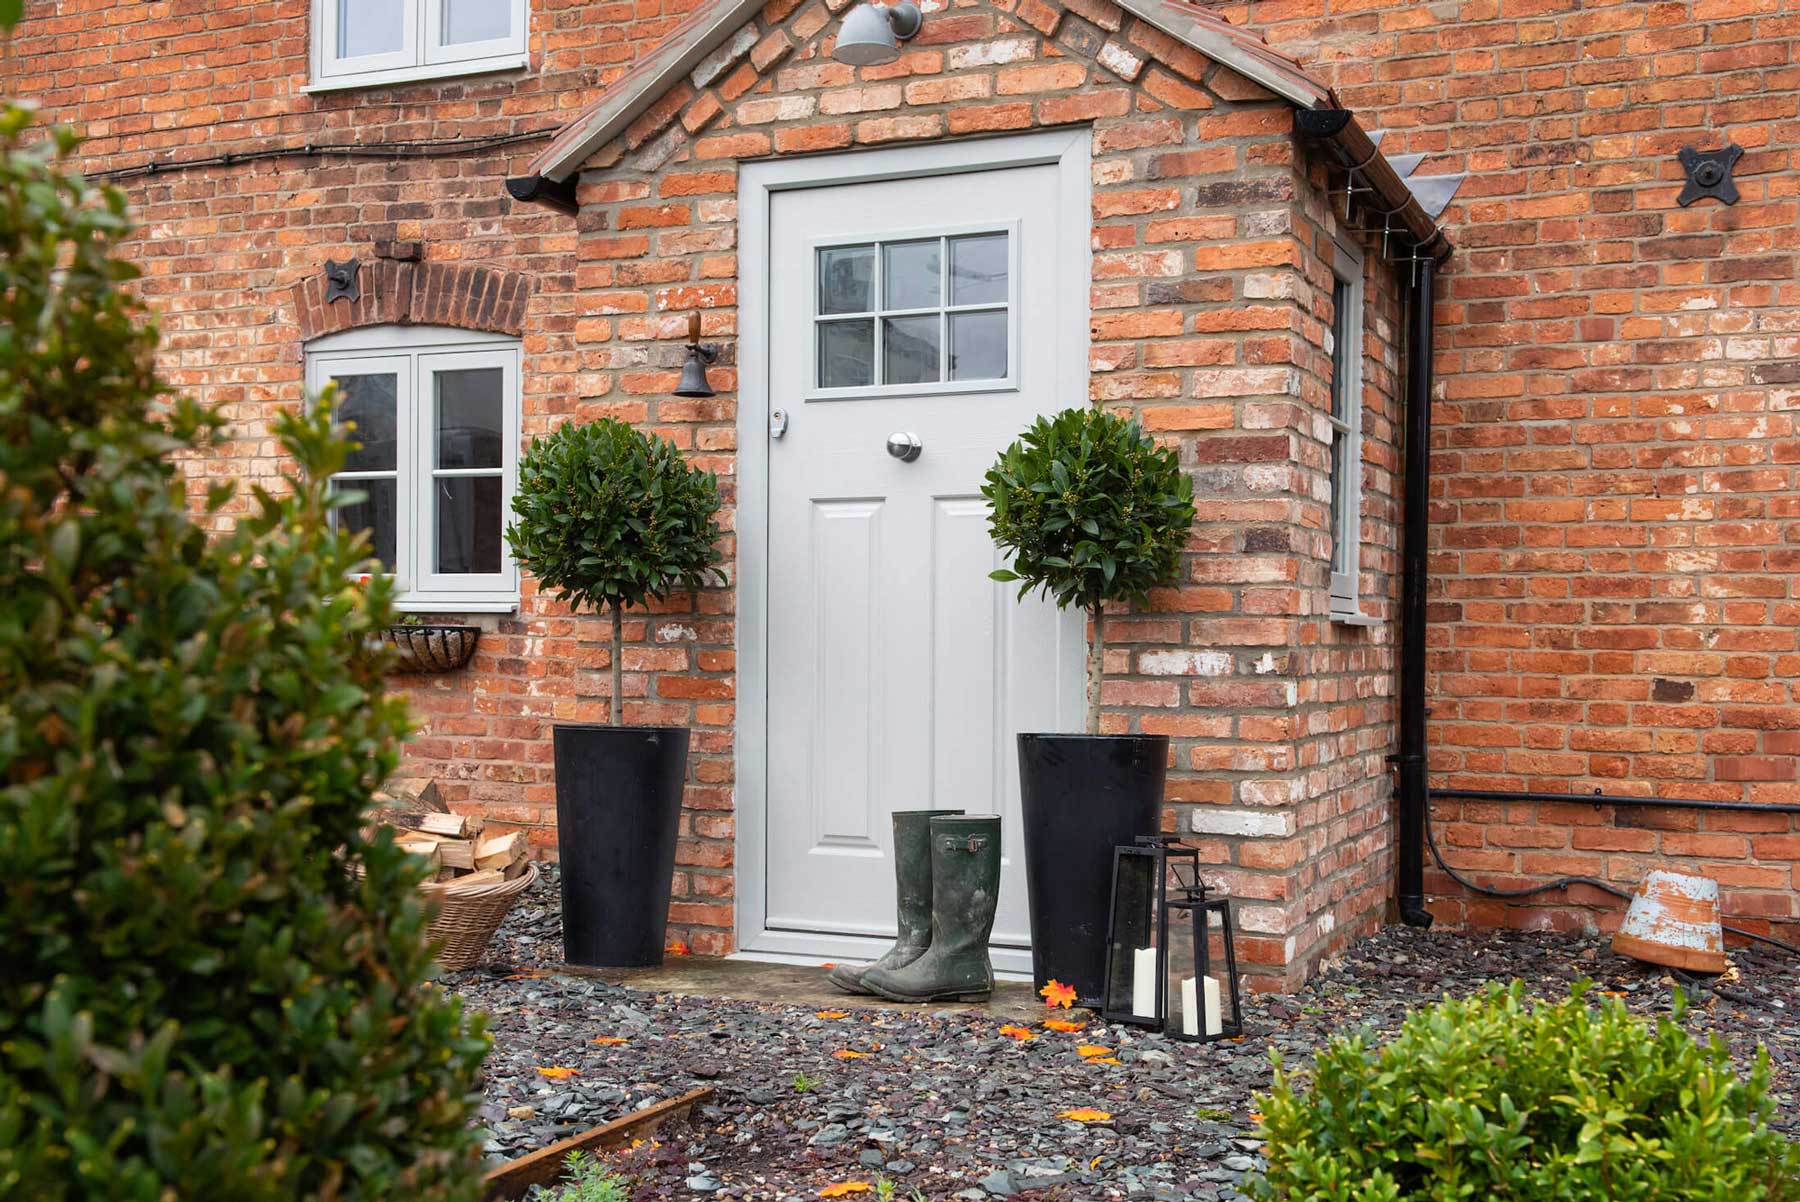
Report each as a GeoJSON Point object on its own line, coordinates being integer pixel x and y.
{"type": "Point", "coordinates": [1560, 1102]}
{"type": "Point", "coordinates": [609, 517]}
{"type": "Point", "coordinates": [212, 984]}
{"type": "Point", "coordinates": [1092, 511]}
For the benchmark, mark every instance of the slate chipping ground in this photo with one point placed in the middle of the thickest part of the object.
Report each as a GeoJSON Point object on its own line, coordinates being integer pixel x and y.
{"type": "Point", "coordinates": [942, 1103]}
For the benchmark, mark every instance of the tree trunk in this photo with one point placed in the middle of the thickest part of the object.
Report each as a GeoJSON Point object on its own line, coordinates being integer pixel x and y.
{"type": "Point", "coordinates": [1095, 669]}
{"type": "Point", "coordinates": [618, 673]}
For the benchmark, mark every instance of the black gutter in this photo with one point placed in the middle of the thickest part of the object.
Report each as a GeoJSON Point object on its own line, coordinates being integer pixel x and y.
{"type": "Point", "coordinates": [537, 189]}
{"type": "Point", "coordinates": [1409, 876]}
{"type": "Point", "coordinates": [1609, 799]}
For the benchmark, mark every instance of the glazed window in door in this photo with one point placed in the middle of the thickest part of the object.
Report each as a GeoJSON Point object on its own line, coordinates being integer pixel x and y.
{"type": "Point", "coordinates": [917, 313]}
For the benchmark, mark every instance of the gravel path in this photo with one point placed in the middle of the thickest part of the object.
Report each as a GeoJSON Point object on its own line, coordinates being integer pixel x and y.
{"type": "Point", "coordinates": [945, 1104]}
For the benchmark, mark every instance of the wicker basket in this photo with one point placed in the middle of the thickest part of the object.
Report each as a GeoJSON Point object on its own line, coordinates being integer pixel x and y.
{"type": "Point", "coordinates": [467, 917]}
{"type": "Point", "coordinates": [431, 648]}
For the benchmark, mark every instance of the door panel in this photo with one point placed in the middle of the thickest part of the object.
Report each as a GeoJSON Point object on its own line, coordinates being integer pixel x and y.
{"type": "Point", "coordinates": [898, 673]}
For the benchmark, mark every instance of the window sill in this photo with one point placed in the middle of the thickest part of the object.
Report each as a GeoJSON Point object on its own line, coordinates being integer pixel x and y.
{"type": "Point", "coordinates": [452, 606]}
{"type": "Point", "coordinates": [424, 74]}
{"type": "Point", "coordinates": [1356, 619]}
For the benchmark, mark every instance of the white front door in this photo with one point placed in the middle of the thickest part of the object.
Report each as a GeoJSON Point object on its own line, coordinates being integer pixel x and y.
{"type": "Point", "coordinates": [897, 674]}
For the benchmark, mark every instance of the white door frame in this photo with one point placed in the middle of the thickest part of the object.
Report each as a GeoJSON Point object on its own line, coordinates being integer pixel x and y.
{"type": "Point", "coordinates": [1070, 151]}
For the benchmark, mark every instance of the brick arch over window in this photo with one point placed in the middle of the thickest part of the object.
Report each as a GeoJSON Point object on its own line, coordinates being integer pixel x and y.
{"type": "Point", "coordinates": [464, 295]}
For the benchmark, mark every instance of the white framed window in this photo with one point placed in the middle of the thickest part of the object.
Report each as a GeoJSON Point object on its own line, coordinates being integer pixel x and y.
{"type": "Point", "coordinates": [437, 417]}
{"type": "Point", "coordinates": [357, 43]}
{"type": "Point", "coordinates": [924, 311]}
{"type": "Point", "coordinates": [1346, 348]}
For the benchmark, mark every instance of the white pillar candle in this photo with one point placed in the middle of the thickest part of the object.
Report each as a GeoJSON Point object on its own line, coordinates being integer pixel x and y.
{"type": "Point", "coordinates": [1213, 1025]}
{"type": "Point", "coordinates": [1143, 982]}
{"type": "Point", "coordinates": [1190, 1007]}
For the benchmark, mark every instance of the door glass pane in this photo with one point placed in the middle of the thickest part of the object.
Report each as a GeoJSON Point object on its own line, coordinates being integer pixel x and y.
{"type": "Point", "coordinates": [476, 20]}
{"type": "Point", "coordinates": [378, 513]}
{"type": "Point", "coordinates": [369, 402]}
{"type": "Point", "coordinates": [846, 353]}
{"type": "Point", "coordinates": [468, 524]}
{"type": "Point", "coordinates": [910, 274]}
{"type": "Point", "coordinates": [847, 279]}
{"type": "Point", "coordinates": [910, 350]}
{"type": "Point", "coordinates": [371, 27]}
{"type": "Point", "coordinates": [470, 428]}
{"type": "Point", "coordinates": [978, 269]}
{"type": "Point", "coordinates": [978, 345]}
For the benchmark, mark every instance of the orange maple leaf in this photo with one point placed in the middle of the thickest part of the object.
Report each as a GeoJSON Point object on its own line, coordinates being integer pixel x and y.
{"type": "Point", "coordinates": [848, 1054]}
{"type": "Point", "coordinates": [609, 1039]}
{"type": "Point", "coordinates": [558, 1072]}
{"type": "Point", "coordinates": [1102, 1060]}
{"type": "Point", "coordinates": [831, 1014]}
{"type": "Point", "coordinates": [844, 1189]}
{"type": "Point", "coordinates": [1021, 1034]}
{"type": "Point", "coordinates": [1055, 993]}
{"type": "Point", "coordinates": [1093, 1049]}
{"type": "Point", "coordinates": [679, 948]}
{"type": "Point", "coordinates": [1063, 1025]}
{"type": "Point", "coordinates": [1084, 1114]}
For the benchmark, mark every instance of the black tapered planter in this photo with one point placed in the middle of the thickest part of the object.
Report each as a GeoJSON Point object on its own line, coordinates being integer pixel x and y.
{"type": "Point", "coordinates": [618, 808]}
{"type": "Point", "coordinates": [1083, 795]}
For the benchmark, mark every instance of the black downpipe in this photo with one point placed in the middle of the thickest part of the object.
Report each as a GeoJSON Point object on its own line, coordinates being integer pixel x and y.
{"type": "Point", "coordinates": [1410, 875]}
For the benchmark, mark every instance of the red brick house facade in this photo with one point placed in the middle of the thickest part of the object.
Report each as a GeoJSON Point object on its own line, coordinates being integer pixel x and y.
{"type": "Point", "coordinates": [1612, 600]}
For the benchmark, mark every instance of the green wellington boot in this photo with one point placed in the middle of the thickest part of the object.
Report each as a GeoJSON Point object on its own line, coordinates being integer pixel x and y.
{"type": "Point", "coordinates": [965, 887]}
{"type": "Point", "coordinates": [912, 898]}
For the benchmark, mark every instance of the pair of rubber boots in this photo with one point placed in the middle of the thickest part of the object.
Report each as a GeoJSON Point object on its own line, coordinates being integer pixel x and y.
{"type": "Point", "coordinates": [947, 878]}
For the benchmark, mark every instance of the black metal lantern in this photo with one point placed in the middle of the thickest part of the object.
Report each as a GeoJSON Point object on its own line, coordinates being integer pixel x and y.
{"type": "Point", "coordinates": [1160, 930]}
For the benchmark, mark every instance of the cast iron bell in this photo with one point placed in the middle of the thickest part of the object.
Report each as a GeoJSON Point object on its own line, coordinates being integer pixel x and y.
{"type": "Point", "coordinates": [693, 372]}
{"type": "Point", "coordinates": [872, 33]}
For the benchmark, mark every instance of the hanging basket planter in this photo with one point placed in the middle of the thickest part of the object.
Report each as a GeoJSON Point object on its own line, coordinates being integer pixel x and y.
{"type": "Point", "coordinates": [431, 648]}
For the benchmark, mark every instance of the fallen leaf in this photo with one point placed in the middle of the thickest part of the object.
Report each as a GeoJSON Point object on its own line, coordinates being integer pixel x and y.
{"type": "Point", "coordinates": [1083, 1114]}
{"type": "Point", "coordinates": [558, 1072]}
{"type": "Point", "coordinates": [1095, 1162]}
{"type": "Point", "coordinates": [678, 948]}
{"type": "Point", "coordinates": [609, 1039]}
{"type": "Point", "coordinates": [1055, 993]}
{"type": "Point", "coordinates": [1255, 1116]}
{"type": "Point", "coordinates": [844, 1189]}
{"type": "Point", "coordinates": [1012, 1031]}
{"type": "Point", "coordinates": [1101, 1060]}
{"type": "Point", "coordinates": [1063, 1025]}
{"type": "Point", "coordinates": [848, 1054]}
{"type": "Point", "coordinates": [829, 964]}
{"type": "Point", "coordinates": [1093, 1049]}
{"type": "Point", "coordinates": [831, 1014]}
{"type": "Point", "coordinates": [1612, 993]}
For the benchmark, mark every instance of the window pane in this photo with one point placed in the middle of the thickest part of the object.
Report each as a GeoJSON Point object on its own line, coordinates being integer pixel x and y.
{"type": "Point", "coordinates": [1340, 485]}
{"type": "Point", "coordinates": [910, 275]}
{"type": "Point", "coordinates": [978, 269]}
{"type": "Point", "coordinates": [377, 512]}
{"type": "Point", "coordinates": [468, 524]}
{"type": "Point", "coordinates": [470, 425]}
{"type": "Point", "coordinates": [910, 350]}
{"type": "Point", "coordinates": [371, 27]}
{"type": "Point", "coordinates": [369, 402]}
{"type": "Point", "coordinates": [846, 353]}
{"type": "Point", "coordinates": [1341, 350]}
{"type": "Point", "coordinates": [978, 346]}
{"type": "Point", "coordinates": [847, 279]}
{"type": "Point", "coordinates": [476, 20]}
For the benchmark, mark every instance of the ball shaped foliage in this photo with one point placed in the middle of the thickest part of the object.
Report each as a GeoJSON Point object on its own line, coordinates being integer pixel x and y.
{"type": "Point", "coordinates": [212, 984]}
{"type": "Point", "coordinates": [1487, 1098]}
{"type": "Point", "coordinates": [1092, 510]}
{"type": "Point", "coordinates": [608, 516]}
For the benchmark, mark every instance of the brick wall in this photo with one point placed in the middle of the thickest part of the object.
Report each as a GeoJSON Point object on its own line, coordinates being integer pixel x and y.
{"type": "Point", "coordinates": [1614, 604]}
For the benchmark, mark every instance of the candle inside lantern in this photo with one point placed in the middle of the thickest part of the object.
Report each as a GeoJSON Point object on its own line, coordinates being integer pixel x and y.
{"type": "Point", "coordinates": [1190, 1008]}
{"type": "Point", "coordinates": [1213, 1025]}
{"type": "Point", "coordinates": [1143, 982]}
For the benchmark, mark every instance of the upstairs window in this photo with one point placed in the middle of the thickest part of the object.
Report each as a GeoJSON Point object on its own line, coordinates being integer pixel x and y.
{"type": "Point", "coordinates": [1346, 434]}
{"type": "Point", "coordinates": [362, 42]}
{"type": "Point", "coordinates": [437, 420]}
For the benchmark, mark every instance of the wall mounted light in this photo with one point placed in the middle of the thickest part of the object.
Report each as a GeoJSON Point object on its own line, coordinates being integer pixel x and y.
{"type": "Point", "coordinates": [693, 381]}
{"type": "Point", "coordinates": [872, 33]}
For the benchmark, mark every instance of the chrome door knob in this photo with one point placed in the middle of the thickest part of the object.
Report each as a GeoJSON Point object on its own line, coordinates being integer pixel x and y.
{"type": "Point", "coordinates": [904, 446]}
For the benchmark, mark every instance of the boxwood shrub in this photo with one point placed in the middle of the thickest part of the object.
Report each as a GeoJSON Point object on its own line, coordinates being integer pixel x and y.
{"type": "Point", "coordinates": [1487, 1098]}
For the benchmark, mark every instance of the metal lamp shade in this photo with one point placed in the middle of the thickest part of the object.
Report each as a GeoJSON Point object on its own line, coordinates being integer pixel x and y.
{"type": "Point", "coordinates": [693, 376]}
{"type": "Point", "coordinates": [872, 33]}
